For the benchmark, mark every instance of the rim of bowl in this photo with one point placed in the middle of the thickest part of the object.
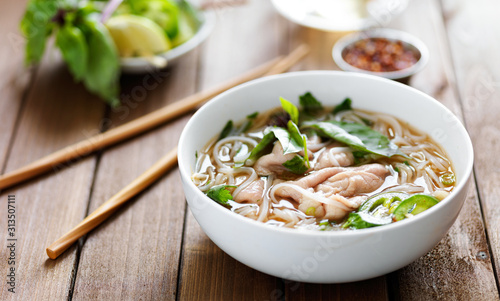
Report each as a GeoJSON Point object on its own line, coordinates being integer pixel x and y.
{"type": "Point", "coordinates": [138, 64]}
{"type": "Point", "coordinates": [390, 34]}
{"type": "Point", "coordinates": [292, 231]}
{"type": "Point", "coordinates": [372, 9]}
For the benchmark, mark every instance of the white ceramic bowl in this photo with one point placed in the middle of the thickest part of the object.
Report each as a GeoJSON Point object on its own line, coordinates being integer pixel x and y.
{"type": "Point", "coordinates": [141, 65]}
{"type": "Point", "coordinates": [315, 256]}
{"type": "Point", "coordinates": [340, 15]}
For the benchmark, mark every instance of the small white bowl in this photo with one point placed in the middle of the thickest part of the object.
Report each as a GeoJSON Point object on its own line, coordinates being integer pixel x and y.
{"type": "Point", "coordinates": [133, 65]}
{"type": "Point", "coordinates": [339, 15]}
{"type": "Point", "coordinates": [316, 256]}
{"type": "Point", "coordinates": [409, 41]}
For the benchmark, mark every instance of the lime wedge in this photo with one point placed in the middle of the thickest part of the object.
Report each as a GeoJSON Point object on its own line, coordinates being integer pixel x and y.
{"type": "Point", "coordinates": [137, 36]}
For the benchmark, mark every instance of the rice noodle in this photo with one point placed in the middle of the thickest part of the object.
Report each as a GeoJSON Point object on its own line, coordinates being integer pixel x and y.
{"type": "Point", "coordinates": [407, 187]}
{"type": "Point", "coordinates": [231, 171]}
{"type": "Point", "coordinates": [218, 146]}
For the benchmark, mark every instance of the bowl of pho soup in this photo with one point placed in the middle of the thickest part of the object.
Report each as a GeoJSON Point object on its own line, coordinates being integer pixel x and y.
{"type": "Point", "coordinates": [325, 176]}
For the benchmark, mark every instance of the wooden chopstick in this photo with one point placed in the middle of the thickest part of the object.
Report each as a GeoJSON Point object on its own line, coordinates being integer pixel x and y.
{"type": "Point", "coordinates": [291, 59]}
{"type": "Point", "coordinates": [127, 130]}
{"type": "Point", "coordinates": [110, 206]}
{"type": "Point", "coordinates": [146, 179]}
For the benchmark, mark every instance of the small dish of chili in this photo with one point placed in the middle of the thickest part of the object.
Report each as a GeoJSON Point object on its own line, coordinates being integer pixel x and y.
{"type": "Point", "coordinates": [387, 53]}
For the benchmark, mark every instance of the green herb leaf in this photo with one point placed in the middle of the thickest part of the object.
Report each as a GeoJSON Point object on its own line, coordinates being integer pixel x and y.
{"type": "Point", "coordinates": [297, 165]}
{"type": "Point", "coordinates": [228, 129]}
{"type": "Point", "coordinates": [301, 139]}
{"type": "Point", "coordinates": [220, 194]}
{"type": "Point", "coordinates": [310, 104]}
{"type": "Point", "coordinates": [259, 148]}
{"type": "Point", "coordinates": [36, 25]}
{"type": "Point", "coordinates": [343, 106]}
{"type": "Point", "coordinates": [248, 123]}
{"type": "Point", "coordinates": [253, 115]}
{"type": "Point", "coordinates": [291, 109]}
{"type": "Point", "coordinates": [289, 144]}
{"type": "Point", "coordinates": [103, 67]}
{"type": "Point", "coordinates": [73, 46]}
{"type": "Point", "coordinates": [357, 136]}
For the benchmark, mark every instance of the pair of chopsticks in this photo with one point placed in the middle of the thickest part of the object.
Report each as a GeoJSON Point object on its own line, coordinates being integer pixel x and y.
{"type": "Point", "coordinates": [128, 130]}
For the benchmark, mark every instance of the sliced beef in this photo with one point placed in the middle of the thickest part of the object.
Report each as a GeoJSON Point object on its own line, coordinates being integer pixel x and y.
{"type": "Point", "coordinates": [344, 188]}
{"type": "Point", "coordinates": [334, 156]}
{"type": "Point", "coordinates": [272, 164]}
{"type": "Point", "coordinates": [252, 193]}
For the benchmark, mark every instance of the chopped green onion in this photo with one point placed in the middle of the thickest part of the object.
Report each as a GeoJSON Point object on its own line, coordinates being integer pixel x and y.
{"type": "Point", "coordinates": [311, 211]}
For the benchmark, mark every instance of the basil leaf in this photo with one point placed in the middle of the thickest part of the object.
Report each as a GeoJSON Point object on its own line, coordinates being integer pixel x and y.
{"type": "Point", "coordinates": [357, 136]}
{"type": "Point", "coordinates": [310, 104]}
{"type": "Point", "coordinates": [220, 194]}
{"type": "Point", "coordinates": [343, 106]}
{"type": "Point", "coordinates": [36, 25]}
{"type": "Point", "coordinates": [257, 150]}
{"type": "Point", "coordinates": [73, 46]}
{"type": "Point", "coordinates": [291, 109]}
{"type": "Point", "coordinates": [297, 165]}
{"type": "Point", "coordinates": [295, 134]}
{"type": "Point", "coordinates": [294, 131]}
{"type": "Point", "coordinates": [289, 144]}
{"type": "Point", "coordinates": [103, 67]}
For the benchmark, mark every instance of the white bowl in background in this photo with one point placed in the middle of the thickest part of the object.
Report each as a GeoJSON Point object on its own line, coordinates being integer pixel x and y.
{"type": "Point", "coordinates": [316, 256]}
{"type": "Point", "coordinates": [340, 15]}
{"type": "Point", "coordinates": [409, 41]}
{"type": "Point", "coordinates": [133, 65]}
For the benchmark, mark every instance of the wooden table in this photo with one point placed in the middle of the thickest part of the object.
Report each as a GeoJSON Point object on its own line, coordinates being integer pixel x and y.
{"type": "Point", "coordinates": [153, 248]}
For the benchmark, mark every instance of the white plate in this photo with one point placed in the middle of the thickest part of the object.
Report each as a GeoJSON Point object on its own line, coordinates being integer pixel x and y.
{"type": "Point", "coordinates": [340, 15]}
{"type": "Point", "coordinates": [143, 65]}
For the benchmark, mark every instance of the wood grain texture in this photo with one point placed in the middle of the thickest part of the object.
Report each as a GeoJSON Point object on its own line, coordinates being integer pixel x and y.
{"type": "Point", "coordinates": [152, 248]}
{"type": "Point", "coordinates": [145, 235]}
{"type": "Point", "coordinates": [14, 80]}
{"type": "Point", "coordinates": [57, 113]}
{"type": "Point", "coordinates": [473, 30]}
{"type": "Point", "coordinates": [238, 43]}
{"type": "Point", "coordinates": [456, 259]}
{"type": "Point", "coordinates": [372, 289]}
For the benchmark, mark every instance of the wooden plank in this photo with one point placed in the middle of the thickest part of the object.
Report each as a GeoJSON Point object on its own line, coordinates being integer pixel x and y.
{"type": "Point", "coordinates": [135, 254]}
{"type": "Point", "coordinates": [372, 289]}
{"type": "Point", "coordinates": [320, 58]}
{"type": "Point", "coordinates": [456, 259]}
{"type": "Point", "coordinates": [57, 113]}
{"type": "Point", "coordinates": [473, 30]}
{"type": "Point", "coordinates": [15, 79]}
{"type": "Point", "coordinates": [208, 273]}
{"type": "Point", "coordinates": [244, 37]}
